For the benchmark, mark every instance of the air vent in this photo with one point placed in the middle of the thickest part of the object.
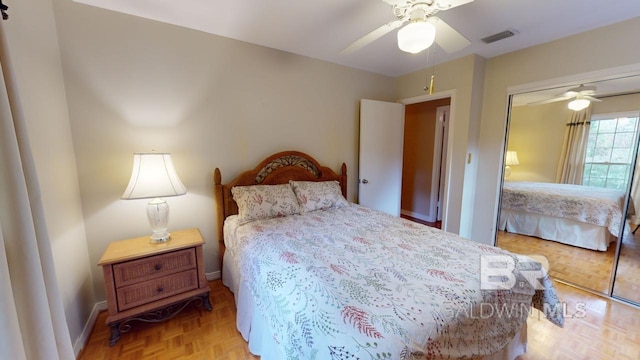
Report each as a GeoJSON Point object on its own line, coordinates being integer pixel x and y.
{"type": "Point", "coordinates": [499, 36]}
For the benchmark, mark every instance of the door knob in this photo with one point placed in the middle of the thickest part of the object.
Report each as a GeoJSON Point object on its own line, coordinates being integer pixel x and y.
{"type": "Point", "coordinates": [365, 181]}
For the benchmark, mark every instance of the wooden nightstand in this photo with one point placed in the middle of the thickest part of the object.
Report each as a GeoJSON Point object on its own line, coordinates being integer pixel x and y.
{"type": "Point", "coordinates": [153, 282]}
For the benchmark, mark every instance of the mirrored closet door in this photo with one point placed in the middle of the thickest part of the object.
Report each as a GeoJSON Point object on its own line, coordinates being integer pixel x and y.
{"type": "Point", "coordinates": [626, 282]}
{"type": "Point", "coordinates": [570, 190]}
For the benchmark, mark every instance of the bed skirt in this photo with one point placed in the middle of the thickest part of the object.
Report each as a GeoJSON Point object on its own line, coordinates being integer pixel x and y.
{"type": "Point", "coordinates": [565, 231]}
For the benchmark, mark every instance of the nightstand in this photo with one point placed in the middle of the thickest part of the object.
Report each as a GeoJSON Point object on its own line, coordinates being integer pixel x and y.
{"type": "Point", "coordinates": [153, 282]}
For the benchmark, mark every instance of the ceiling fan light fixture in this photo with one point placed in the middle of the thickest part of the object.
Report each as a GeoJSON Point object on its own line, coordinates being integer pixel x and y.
{"type": "Point", "coordinates": [578, 104]}
{"type": "Point", "coordinates": [416, 36]}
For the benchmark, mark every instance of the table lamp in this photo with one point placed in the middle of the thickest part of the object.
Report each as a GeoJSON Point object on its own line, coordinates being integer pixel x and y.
{"type": "Point", "coordinates": [510, 160]}
{"type": "Point", "coordinates": [153, 176]}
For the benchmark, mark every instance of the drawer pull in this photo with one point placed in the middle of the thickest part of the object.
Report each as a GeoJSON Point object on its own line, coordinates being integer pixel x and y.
{"type": "Point", "coordinates": [158, 267]}
{"type": "Point", "coordinates": [160, 289]}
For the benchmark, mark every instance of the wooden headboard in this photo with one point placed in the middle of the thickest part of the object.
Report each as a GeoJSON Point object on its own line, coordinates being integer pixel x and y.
{"type": "Point", "coordinates": [276, 169]}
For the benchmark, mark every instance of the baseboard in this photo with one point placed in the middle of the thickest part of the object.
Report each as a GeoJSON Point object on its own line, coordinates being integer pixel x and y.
{"type": "Point", "coordinates": [81, 341]}
{"type": "Point", "coordinates": [418, 216]}
{"type": "Point", "coordinates": [213, 275]}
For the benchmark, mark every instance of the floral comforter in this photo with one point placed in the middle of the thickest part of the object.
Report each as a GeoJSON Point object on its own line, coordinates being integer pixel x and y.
{"type": "Point", "coordinates": [593, 205]}
{"type": "Point", "coordinates": [352, 282]}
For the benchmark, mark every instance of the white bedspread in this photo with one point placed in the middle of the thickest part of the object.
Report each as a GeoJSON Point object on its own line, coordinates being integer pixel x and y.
{"type": "Point", "coordinates": [592, 205]}
{"type": "Point", "coordinates": [352, 282]}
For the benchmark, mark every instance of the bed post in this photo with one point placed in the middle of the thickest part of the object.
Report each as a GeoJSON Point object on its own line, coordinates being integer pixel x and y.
{"type": "Point", "coordinates": [219, 196]}
{"type": "Point", "coordinates": [343, 179]}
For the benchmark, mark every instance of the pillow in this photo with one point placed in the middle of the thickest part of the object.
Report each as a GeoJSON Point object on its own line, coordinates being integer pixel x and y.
{"type": "Point", "coordinates": [264, 201]}
{"type": "Point", "coordinates": [316, 195]}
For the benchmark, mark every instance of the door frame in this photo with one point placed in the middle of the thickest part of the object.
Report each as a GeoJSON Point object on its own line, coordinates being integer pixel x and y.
{"type": "Point", "coordinates": [439, 149]}
{"type": "Point", "coordinates": [447, 162]}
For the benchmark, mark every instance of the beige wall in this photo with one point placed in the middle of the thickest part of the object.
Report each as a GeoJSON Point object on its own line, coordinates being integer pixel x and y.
{"type": "Point", "coordinates": [609, 105]}
{"type": "Point", "coordinates": [33, 49]}
{"type": "Point", "coordinates": [417, 157]}
{"type": "Point", "coordinates": [137, 85]}
{"type": "Point", "coordinates": [537, 134]}
{"type": "Point", "coordinates": [584, 56]}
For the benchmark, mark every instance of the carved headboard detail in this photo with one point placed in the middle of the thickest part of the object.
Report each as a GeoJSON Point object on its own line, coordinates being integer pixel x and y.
{"type": "Point", "coordinates": [287, 160]}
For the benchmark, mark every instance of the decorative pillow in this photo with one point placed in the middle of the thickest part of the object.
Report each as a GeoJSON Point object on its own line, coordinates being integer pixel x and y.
{"type": "Point", "coordinates": [264, 201]}
{"type": "Point", "coordinates": [316, 195]}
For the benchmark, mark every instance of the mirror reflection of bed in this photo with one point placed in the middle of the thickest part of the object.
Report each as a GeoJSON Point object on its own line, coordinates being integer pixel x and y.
{"type": "Point", "coordinates": [543, 209]}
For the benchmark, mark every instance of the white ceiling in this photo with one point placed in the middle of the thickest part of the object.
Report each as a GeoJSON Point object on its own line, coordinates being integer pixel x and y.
{"type": "Point", "coordinates": [321, 28]}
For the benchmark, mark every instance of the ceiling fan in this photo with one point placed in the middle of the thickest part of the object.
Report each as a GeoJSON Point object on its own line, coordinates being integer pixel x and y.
{"type": "Point", "coordinates": [423, 26]}
{"type": "Point", "coordinates": [582, 96]}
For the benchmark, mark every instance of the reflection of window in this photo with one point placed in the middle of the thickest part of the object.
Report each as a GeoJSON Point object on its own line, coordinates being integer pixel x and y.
{"type": "Point", "coordinates": [610, 150]}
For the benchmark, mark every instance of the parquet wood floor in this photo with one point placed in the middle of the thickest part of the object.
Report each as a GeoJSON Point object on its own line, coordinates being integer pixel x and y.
{"type": "Point", "coordinates": [628, 274]}
{"type": "Point", "coordinates": [609, 330]}
{"type": "Point", "coordinates": [588, 268]}
{"type": "Point", "coordinates": [192, 334]}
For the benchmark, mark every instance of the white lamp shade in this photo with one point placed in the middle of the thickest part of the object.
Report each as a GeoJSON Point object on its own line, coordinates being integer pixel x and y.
{"type": "Point", "coordinates": [512, 158]}
{"type": "Point", "coordinates": [153, 175]}
{"type": "Point", "coordinates": [416, 36]}
{"type": "Point", "coordinates": [578, 104]}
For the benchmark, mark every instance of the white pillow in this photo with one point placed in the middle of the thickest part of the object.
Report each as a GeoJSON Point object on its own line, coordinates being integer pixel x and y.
{"type": "Point", "coordinates": [264, 201]}
{"type": "Point", "coordinates": [316, 195]}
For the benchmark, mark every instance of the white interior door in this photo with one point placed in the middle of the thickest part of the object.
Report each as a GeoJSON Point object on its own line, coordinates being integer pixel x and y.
{"type": "Point", "coordinates": [380, 161]}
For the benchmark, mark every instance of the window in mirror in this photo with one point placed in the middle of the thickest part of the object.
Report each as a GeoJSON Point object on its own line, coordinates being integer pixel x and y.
{"type": "Point", "coordinates": [609, 153]}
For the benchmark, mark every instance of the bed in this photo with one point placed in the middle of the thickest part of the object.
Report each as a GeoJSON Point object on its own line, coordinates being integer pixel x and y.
{"type": "Point", "coordinates": [337, 280]}
{"type": "Point", "coordinates": [583, 216]}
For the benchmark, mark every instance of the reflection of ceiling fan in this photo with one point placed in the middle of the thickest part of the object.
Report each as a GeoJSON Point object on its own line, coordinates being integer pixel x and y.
{"type": "Point", "coordinates": [581, 95]}
{"type": "Point", "coordinates": [423, 26]}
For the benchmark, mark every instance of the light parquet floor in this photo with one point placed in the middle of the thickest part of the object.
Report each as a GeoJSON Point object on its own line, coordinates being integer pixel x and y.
{"type": "Point", "coordinates": [609, 330]}
{"type": "Point", "coordinates": [192, 334]}
{"type": "Point", "coordinates": [627, 283]}
{"type": "Point", "coordinates": [588, 268]}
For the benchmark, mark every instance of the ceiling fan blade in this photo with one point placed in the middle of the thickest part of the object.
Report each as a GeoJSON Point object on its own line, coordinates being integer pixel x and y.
{"type": "Point", "coordinates": [583, 89]}
{"type": "Point", "coordinates": [447, 37]}
{"type": "Point", "coordinates": [572, 93]}
{"type": "Point", "coordinates": [439, 4]}
{"type": "Point", "coordinates": [549, 101]}
{"type": "Point", "coordinates": [373, 35]}
{"type": "Point", "coordinates": [591, 98]}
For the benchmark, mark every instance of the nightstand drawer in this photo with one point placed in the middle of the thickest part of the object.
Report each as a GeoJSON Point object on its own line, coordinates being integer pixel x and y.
{"type": "Point", "coordinates": [147, 281]}
{"type": "Point", "coordinates": [145, 269]}
{"type": "Point", "coordinates": [139, 294]}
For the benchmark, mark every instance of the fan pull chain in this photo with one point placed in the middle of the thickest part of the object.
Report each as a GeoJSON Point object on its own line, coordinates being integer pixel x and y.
{"type": "Point", "coordinates": [431, 84]}
{"type": "Point", "coordinates": [433, 74]}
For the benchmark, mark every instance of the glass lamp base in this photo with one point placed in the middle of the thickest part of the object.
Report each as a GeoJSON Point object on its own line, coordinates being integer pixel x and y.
{"type": "Point", "coordinates": [507, 171]}
{"type": "Point", "coordinates": [158, 214]}
{"type": "Point", "coordinates": [160, 237]}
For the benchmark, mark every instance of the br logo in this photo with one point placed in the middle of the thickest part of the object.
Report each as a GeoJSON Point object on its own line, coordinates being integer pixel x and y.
{"type": "Point", "coordinates": [506, 272]}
